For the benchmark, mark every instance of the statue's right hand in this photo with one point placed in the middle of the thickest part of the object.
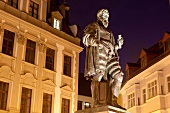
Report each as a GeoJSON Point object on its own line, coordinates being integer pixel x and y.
{"type": "Point", "coordinates": [94, 42]}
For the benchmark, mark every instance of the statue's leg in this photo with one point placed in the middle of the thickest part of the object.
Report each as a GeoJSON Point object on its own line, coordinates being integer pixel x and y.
{"type": "Point", "coordinates": [95, 92]}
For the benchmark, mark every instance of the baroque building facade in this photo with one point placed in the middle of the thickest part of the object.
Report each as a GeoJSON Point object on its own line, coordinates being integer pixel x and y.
{"type": "Point", "coordinates": [39, 57]}
{"type": "Point", "coordinates": [147, 86]}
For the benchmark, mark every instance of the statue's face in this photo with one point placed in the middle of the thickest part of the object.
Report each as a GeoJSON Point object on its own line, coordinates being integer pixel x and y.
{"type": "Point", "coordinates": [105, 15]}
{"type": "Point", "coordinates": [104, 18]}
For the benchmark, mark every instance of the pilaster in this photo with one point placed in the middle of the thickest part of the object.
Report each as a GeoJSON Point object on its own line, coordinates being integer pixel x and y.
{"type": "Point", "coordinates": [39, 91]}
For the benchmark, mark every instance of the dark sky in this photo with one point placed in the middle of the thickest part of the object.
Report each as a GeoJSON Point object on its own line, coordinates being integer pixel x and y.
{"type": "Point", "coordinates": [141, 22]}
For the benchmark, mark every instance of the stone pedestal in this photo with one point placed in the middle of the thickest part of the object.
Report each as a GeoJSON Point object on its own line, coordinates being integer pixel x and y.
{"type": "Point", "coordinates": [103, 109]}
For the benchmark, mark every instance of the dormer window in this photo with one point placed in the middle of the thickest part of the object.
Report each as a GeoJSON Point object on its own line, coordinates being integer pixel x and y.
{"type": "Point", "coordinates": [56, 24]}
{"type": "Point", "coordinates": [167, 45]}
{"type": "Point", "coordinates": [143, 61]}
{"type": "Point", "coordinates": [33, 9]}
{"type": "Point", "coordinates": [127, 73]}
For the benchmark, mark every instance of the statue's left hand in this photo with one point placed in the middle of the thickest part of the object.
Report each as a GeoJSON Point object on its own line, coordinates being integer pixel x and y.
{"type": "Point", "coordinates": [120, 41]}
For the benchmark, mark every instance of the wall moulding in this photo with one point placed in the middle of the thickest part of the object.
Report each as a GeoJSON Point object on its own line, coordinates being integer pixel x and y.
{"type": "Point", "coordinates": [6, 72]}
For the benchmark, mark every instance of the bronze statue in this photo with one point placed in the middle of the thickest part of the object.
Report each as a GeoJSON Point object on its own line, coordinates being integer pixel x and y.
{"type": "Point", "coordinates": [102, 60]}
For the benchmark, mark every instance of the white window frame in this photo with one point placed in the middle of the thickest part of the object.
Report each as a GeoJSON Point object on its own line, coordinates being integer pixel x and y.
{"type": "Point", "coordinates": [131, 100]}
{"type": "Point", "coordinates": [152, 89]}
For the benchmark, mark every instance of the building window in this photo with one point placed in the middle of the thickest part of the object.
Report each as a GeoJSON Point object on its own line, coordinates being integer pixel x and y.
{"type": "Point", "coordinates": [152, 89]}
{"type": "Point", "coordinates": [168, 81]}
{"type": "Point", "coordinates": [65, 106]}
{"type": "Point", "coordinates": [50, 59]}
{"type": "Point", "coordinates": [30, 51]}
{"type": "Point", "coordinates": [79, 107]}
{"type": "Point", "coordinates": [56, 24]}
{"type": "Point", "coordinates": [167, 45]}
{"type": "Point", "coordinates": [143, 61]}
{"type": "Point", "coordinates": [3, 95]}
{"type": "Point", "coordinates": [8, 42]}
{"type": "Point", "coordinates": [47, 103]}
{"type": "Point", "coordinates": [26, 100]}
{"type": "Point", "coordinates": [144, 95]}
{"type": "Point", "coordinates": [13, 3]}
{"type": "Point", "coordinates": [67, 65]}
{"type": "Point", "coordinates": [131, 100]}
{"type": "Point", "coordinates": [87, 105]}
{"type": "Point", "coordinates": [33, 9]}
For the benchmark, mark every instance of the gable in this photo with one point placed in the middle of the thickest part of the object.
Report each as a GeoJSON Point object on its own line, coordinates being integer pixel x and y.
{"type": "Point", "coordinates": [142, 53]}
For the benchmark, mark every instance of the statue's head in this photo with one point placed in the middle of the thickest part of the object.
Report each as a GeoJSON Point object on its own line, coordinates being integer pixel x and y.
{"type": "Point", "coordinates": [103, 16]}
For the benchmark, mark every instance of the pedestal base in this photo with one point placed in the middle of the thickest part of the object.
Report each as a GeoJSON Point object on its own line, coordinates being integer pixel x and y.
{"type": "Point", "coordinates": [103, 109]}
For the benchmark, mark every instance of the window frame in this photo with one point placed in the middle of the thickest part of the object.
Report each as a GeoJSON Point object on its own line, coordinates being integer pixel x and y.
{"type": "Point", "coordinates": [78, 105]}
{"type": "Point", "coordinates": [7, 47]}
{"type": "Point", "coordinates": [50, 102]}
{"type": "Point", "coordinates": [131, 100]}
{"type": "Point", "coordinates": [152, 89]}
{"type": "Point", "coordinates": [31, 12]}
{"type": "Point", "coordinates": [167, 45]}
{"type": "Point", "coordinates": [56, 24]}
{"type": "Point", "coordinates": [32, 62]}
{"type": "Point", "coordinates": [8, 96]}
{"type": "Point", "coordinates": [168, 84]}
{"type": "Point", "coordinates": [144, 61]}
{"type": "Point", "coordinates": [71, 63]}
{"type": "Point", "coordinates": [30, 109]}
{"type": "Point", "coordinates": [53, 63]}
{"type": "Point", "coordinates": [144, 95]}
{"type": "Point", "coordinates": [12, 3]}
{"type": "Point", "coordinates": [63, 107]}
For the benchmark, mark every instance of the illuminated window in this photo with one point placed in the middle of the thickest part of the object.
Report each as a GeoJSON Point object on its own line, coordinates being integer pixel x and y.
{"type": "Point", "coordinates": [8, 42]}
{"type": "Point", "coordinates": [144, 95]}
{"type": "Point", "coordinates": [131, 100]}
{"type": "Point", "coordinates": [87, 105]}
{"type": "Point", "coordinates": [168, 81]}
{"type": "Point", "coordinates": [152, 89]}
{"type": "Point", "coordinates": [33, 9]}
{"type": "Point", "coordinates": [47, 103]}
{"type": "Point", "coordinates": [79, 107]}
{"type": "Point", "coordinates": [65, 106]}
{"type": "Point", "coordinates": [3, 95]}
{"type": "Point", "coordinates": [56, 24]}
{"type": "Point", "coordinates": [26, 100]}
{"type": "Point", "coordinates": [50, 59]}
{"type": "Point", "coordinates": [30, 51]}
{"type": "Point", "coordinates": [143, 61]}
{"type": "Point", "coordinates": [67, 65]}
{"type": "Point", "coordinates": [13, 3]}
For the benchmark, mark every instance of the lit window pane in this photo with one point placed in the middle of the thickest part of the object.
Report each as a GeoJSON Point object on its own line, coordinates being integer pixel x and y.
{"type": "Point", "coordinates": [56, 24]}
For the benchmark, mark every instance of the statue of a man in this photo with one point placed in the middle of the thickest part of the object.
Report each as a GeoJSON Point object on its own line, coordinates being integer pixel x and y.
{"type": "Point", "coordinates": [102, 61]}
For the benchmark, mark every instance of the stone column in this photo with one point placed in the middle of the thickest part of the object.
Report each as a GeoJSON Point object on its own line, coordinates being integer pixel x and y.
{"type": "Point", "coordinates": [59, 68]}
{"type": "Point", "coordinates": [39, 93]}
{"type": "Point", "coordinates": [15, 93]}
{"type": "Point", "coordinates": [43, 10]}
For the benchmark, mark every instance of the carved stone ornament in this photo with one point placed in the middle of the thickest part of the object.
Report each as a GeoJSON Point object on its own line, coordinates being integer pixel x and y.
{"type": "Point", "coordinates": [42, 47]}
{"type": "Point", "coordinates": [21, 39]}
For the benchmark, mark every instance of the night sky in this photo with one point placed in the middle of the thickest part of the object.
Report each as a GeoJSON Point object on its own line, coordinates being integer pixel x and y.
{"type": "Point", "coordinates": [142, 23]}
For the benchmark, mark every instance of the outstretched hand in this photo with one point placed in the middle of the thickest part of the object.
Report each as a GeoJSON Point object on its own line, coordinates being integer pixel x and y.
{"type": "Point", "coordinates": [120, 41]}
